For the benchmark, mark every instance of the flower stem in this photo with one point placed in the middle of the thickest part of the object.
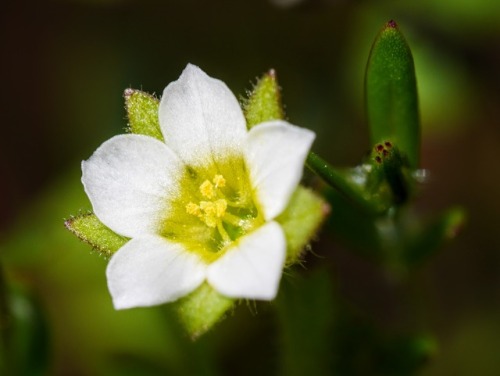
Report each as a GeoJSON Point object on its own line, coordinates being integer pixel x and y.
{"type": "Point", "coordinates": [337, 181]}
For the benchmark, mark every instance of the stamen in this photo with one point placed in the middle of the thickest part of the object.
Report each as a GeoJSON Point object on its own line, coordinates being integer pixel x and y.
{"type": "Point", "coordinates": [211, 221]}
{"type": "Point", "coordinates": [193, 209]}
{"type": "Point", "coordinates": [210, 213]}
{"type": "Point", "coordinates": [221, 206]}
{"type": "Point", "coordinates": [223, 233]}
{"type": "Point", "coordinates": [207, 189]}
{"type": "Point", "coordinates": [219, 181]}
{"type": "Point", "coordinates": [208, 207]}
{"type": "Point", "coordinates": [213, 211]}
{"type": "Point", "coordinates": [237, 204]}
{"type": "Point", "coordinates": [232, 219]}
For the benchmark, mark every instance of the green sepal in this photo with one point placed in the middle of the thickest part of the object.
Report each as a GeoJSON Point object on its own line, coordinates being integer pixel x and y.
{"type": "Point", "coordinates": [91, 230]}
{"type": "Point", "coordinates": [391, 93]}
{"type": "Point", "coordinates": [428, 240]}
{"type": "Point", "coordinates": [142, 113]}
{"type": "Point", "coordinates": [264, 102]}
{"type": "Point", "coordinates": [202, 309]}
{"type": "Point", "coordinates": [301, 220]}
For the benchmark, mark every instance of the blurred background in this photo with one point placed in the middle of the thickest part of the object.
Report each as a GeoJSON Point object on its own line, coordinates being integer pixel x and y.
{"type": "Point", "coordinates": [65, 65]}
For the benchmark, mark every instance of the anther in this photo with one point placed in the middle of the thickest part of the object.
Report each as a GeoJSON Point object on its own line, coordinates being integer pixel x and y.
{"type": "Point", "coordinates": [219, 181]}
{"type": "Point", "coordinates": [207, 189]}
{"type": "Point", "coordinates": [213, 211]}
{"type": "Point", "coordinates": [220, 206]}
{"type": "Point", "coordinates": [193, 209]}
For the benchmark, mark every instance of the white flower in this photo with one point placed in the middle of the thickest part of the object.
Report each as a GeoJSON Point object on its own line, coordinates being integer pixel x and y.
{"type": "Point", "coordinates": [201, 205]}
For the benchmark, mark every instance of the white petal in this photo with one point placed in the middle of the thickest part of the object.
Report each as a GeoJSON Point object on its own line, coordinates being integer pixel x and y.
{"type": "Point", "coordinates": [275, 154]}
{"type": "Point", "coordinates": [151, 270]}
{"type": "Point", "coordinates": [200, 118]}
{"type": "Point", "coordinates": [129, 180]}
{"type": "Point", "coordinates": [252, 268]}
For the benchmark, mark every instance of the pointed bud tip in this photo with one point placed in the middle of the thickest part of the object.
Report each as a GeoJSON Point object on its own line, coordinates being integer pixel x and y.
{"type": "Point", "coordinates": [391, 25]}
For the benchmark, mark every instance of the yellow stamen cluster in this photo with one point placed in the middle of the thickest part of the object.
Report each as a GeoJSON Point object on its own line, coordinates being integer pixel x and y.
{"type": "Point", "coordinates": [210, 212]}
{"type": "Point", "coordinates": [193, 209]}
{"type": "Point", "coordinates": [219, 181]}
{"type": "Point", "coordinates": [207, 189]}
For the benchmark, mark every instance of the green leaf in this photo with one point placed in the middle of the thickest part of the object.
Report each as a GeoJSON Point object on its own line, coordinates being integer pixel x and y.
{"type": "Point", "coordinates": [264, 102]}
{"type": "Point", "coordinates": [202, 309]}
{"type": "Point", "coordinates": [88, 228]}
{"type": "Point", "coordinates": [391, 93]}
{"type": "Point", "coordinates": [301, 220]}
{"type": "Point", "coordinates": [142, 112]}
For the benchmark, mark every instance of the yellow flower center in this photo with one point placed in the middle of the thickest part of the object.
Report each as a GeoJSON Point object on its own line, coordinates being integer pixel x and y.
{"type": "Point", "coordinates": [213, 213]}
{"type": "Point", "coordinates": [214, 208]}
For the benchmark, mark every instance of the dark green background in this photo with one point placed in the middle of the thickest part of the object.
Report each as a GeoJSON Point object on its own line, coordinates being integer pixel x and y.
{"type": "Point", "coordinates": [65, 65]}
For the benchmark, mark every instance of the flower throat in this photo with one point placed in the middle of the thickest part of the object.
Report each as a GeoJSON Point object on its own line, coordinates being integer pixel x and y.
{"type": "Point", "coordinates": [230, 218]}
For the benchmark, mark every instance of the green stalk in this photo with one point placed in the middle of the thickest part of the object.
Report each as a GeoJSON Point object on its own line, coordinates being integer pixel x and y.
{"type": "Point", "coordinates": [338, 181]}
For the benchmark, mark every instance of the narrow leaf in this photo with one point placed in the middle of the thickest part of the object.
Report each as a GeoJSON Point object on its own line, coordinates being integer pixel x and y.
{"type": "Point", "coordinates": [391, 93]}
{"type": "Point", "coordinates": [88, 228]}
{"type": "Point", "coordinates": [264, 102]}
{"type": "Point", "coordinates": [142, 112]}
